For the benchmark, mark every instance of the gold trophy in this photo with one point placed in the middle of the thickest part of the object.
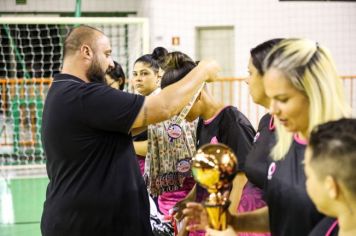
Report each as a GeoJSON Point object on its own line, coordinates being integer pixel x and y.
{"type": "Point", "coordinates": [214, 167]}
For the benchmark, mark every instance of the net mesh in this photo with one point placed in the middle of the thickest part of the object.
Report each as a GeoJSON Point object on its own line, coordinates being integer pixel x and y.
{"type": "Point", "coordinates": [30, 54]}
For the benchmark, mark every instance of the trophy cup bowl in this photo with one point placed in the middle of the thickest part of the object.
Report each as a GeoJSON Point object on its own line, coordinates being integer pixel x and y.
{"type": "Point", "coordinates": [214, 167]}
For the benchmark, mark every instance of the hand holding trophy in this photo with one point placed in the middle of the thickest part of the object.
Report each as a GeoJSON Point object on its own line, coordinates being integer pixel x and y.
{"type": "Point", "coordinates": [214, 167]}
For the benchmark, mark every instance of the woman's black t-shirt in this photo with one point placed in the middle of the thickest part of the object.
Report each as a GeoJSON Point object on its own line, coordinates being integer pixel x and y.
{"type": "Point", "coordinates": [231, 128]}
{"type": "Point", "coordinates": [326, 227]}
{"type": "Point", "coordinates": [258, 158]}
{"type": "Point", "coordinates": [291, 211]}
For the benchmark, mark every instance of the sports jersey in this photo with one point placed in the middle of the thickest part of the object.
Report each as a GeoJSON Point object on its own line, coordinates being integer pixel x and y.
{"type": "Point", "coordinates": [231, 128]}
{"type": "Point", "coordinates": [326, 227]}
{"type": "Point", "coordinates": [257, 160]}
{"type": "Point", "coordinates": [256, 170]}
{"type": "Point", "coordinates": [291, 211]}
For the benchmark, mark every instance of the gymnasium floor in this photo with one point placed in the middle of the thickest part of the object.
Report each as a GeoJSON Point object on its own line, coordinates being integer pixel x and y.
{"type": "Point", "coordinates": [22, 193]}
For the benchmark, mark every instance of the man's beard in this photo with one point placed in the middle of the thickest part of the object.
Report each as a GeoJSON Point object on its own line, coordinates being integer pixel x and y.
{"type": "Point", "coordinates": [95, 73]}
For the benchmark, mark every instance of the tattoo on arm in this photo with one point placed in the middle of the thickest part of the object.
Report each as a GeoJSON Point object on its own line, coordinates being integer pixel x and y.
{"type": "Point", "coordinates": [145, 116]}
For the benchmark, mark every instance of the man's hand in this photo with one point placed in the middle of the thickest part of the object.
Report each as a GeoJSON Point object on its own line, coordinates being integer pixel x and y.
{"type": "Point", "coordinates": [212, 68]}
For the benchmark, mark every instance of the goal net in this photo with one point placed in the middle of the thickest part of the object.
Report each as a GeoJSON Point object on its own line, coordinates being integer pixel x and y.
{"type": "Point", "coordinates": [30, 54]}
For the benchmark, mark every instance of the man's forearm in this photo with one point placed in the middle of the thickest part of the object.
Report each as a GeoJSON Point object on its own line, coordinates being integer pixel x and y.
{"type": "Point", "coordinates": [177, 95]}
{"type": "Point", "coordinates": [254, 221]}
{"type": "Point", "coordinates": [172, 99]}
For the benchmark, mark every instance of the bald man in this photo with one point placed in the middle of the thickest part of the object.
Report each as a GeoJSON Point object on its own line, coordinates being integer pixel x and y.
{"type": "Point", "coordinates": [95, 183]}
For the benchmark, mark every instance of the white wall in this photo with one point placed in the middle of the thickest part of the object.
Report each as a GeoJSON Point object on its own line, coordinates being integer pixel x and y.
{"type": "Point", "coordinates": [69, 5]}
{"type": "Point", "coordinates": [330, 23]}
{"type": "Point", "coordinates": [180, 17]}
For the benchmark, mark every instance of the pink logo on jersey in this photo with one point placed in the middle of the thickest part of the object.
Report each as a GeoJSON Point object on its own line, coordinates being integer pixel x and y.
{"type": "Point", "coordinates": [271, 169]}
{"type": "Point", "coordinates": [214, 140]}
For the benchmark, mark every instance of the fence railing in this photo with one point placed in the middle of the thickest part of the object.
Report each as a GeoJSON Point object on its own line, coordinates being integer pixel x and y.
{"type": "Point", "coordinates": [21, 104]}
{"type": "Point", "coordinates": [234, 91]}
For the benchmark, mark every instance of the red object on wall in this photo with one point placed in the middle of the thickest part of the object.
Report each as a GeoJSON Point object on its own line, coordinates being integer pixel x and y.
{"type": "Point", "coordinates": [175, 41]}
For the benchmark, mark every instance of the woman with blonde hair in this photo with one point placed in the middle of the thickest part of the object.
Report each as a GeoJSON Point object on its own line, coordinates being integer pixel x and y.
{"type": "Point", "coordinates": [305, 91]}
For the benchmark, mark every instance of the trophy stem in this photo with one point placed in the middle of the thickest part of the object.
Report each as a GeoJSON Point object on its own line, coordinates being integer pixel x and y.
{"type": "Point", "coordinates": [217, 216]}
{"type": "Point", "coordinates": [213, 167]}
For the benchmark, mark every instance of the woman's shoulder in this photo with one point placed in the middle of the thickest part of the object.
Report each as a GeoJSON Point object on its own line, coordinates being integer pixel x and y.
{"type": "Point", "coordinates": [233, 112]}
{"type": "Point", "coordinates": [265, 122]}
{"type": "Point", "coordinates": [235, 116]}
{"type": "Point", "coordinates": [327, 226]}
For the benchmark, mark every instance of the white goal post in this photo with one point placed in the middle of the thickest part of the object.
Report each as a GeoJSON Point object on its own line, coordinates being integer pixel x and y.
{"type": "Point", "coordinates": [30, 54]}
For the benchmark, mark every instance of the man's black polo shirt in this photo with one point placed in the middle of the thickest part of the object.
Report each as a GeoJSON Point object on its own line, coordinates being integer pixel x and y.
{"type": "Point", "coordinates": [95, 183]}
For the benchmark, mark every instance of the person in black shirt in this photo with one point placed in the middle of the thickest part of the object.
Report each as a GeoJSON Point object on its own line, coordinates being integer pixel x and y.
{"type": "Point", "coordinates": [328, 226]}
{"type": "Point", "coordinates": [257, 159]}
{"type": "Point", "coordinates": [217, 124]}
{"type": "Point", "coordinates": [95, 186]}
{"type": "Point", "coordinates": [330, 163]}
{"type": "Point", "coordinates": [256, 162]}
{"type": "Point", "coordinates": [305, 91]}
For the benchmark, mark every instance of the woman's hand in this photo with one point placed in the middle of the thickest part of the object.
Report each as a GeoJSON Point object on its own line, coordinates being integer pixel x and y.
{"type": "Point", "coordinates": [196, 216]}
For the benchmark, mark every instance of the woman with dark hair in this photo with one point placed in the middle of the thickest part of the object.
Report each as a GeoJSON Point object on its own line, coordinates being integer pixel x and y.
{"type": "Point", "coordinates": [169, 147]}
{"type": "Point", "coordinates": [256, 162]}
{"type": "Point", "coordinates": [147, 72]}
{"type": "Point", "coordinates": [116, 77]}
{"type": "Point", "coordinates": [146, 78]}
{"type": "Point", "coordinates": [258, 158]}
{"type": "Point", "coordinates": [217, 123]}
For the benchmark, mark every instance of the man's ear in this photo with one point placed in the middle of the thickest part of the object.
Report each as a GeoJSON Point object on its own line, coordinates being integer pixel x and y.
{"type": "Point", "coordinates": [86, 51]}
{"type": "Point", "coordinates": [332, 187]}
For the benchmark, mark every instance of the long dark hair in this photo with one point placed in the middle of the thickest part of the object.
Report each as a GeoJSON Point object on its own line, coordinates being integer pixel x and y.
{"type": "Point", "coordinates": [155, 60]}
{"type": "Point", "coordinates": [259, 53]}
